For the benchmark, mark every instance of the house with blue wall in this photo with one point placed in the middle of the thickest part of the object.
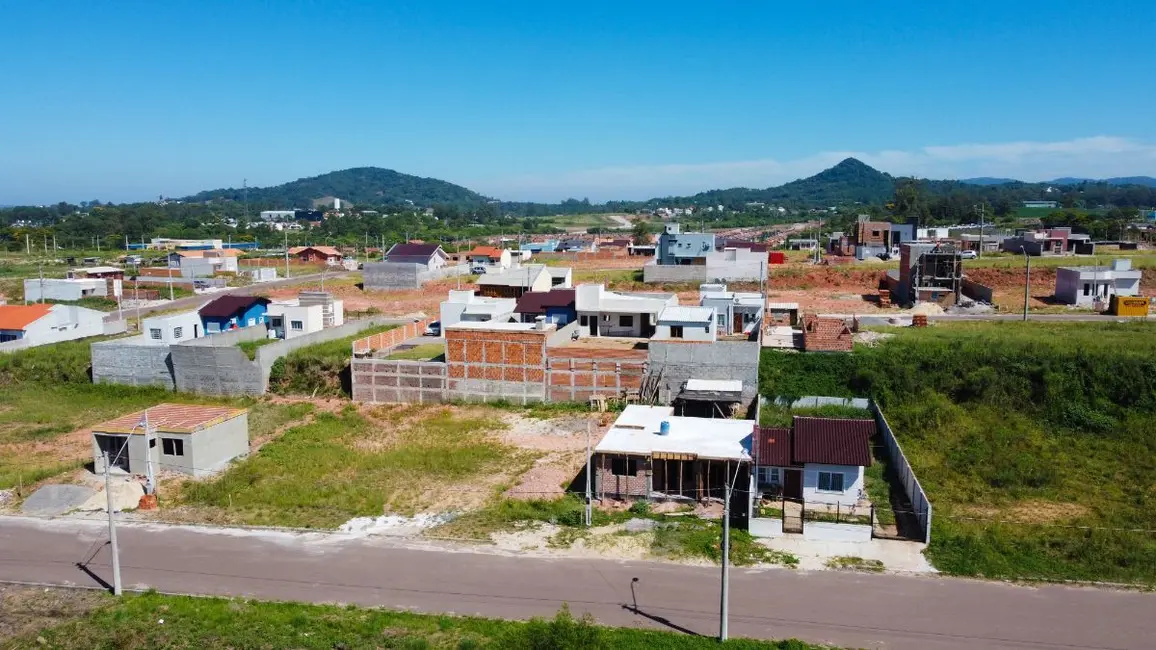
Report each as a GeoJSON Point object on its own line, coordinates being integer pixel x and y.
{"type": "Point", "coordinates": [233, 312]}
{"type": "Point", "coordinates": [677, 247]}
{"type": "Point", "coordinates": [548, 246]}
{"type": "Point", "coordinates": [557, 305]}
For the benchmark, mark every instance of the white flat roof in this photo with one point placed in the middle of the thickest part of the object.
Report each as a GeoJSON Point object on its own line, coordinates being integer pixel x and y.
{"type": "Point", "coordinates": [99, 269]}
{"type": "Point", "coordinates": [685, 314]}
{"type": "Point", "coordinates": [783, 306]}
{"type": "Point", "coordinates": [636, 432]}
{"type": "Point", "coordinates": [726, 385]}
{"type": "Point", "coordinates": [490, 325]}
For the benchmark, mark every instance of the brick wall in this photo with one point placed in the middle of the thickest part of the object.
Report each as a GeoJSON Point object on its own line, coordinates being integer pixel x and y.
{"type": "Point", "coordinates": [826, 334]}
{"type": "Point", "coordinates": [489, 365]}
{"type": "Point", "coordinates": [575, 375]}
{"type": "Point", "coordinates": [409, 382]}
{"type": "Point", "coordinates": [606, 484]}
{"type": "Point", "coordinates": [391, 338]}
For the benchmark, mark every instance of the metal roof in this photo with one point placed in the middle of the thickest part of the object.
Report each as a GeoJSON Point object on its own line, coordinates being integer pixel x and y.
{"type": "Point", "coordinates": [832, 441]}
{"type": "Point", "coordinates": [773, 446]}
{"type": "Point", "coordinates": [725, 385]}
{"type": "Point", "coordinates": [685, 314]}
{"type": "Point", "coordinates": [783, 306]}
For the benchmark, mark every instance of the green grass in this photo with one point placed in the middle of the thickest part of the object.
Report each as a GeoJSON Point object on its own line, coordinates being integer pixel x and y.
{"type": "Point", "coordinates": [34, 418]}
{"type": "Point", "coordinates": [582, 221]}
{"type": "Point", "coordinates": [1140, 260]}
{"type": "Point", "coordinates": [320, 370]}
{"type": "Point", "coordinates": [250, 347]}
{"type": "Point", "coordinates": [1035, 442]}
{"type": "Point", "coordinates": [855, 563]}
{"type": "Point", "coordinates": [779, 415]}
{"type": "Point", "coordinates": [343, 465]}
{"type": "Point", "coordinates": [131, 623]}
{"type": "Point", "coordinates": [420, 353]}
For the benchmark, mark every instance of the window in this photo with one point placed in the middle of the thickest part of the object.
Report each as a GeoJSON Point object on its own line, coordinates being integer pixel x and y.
{"type": "Point", "coordinates": [296, 325]}
{"type": "Point", "coordinates": [155, 333]}
{"type": "Point", "coordinates": [1087, 289]}
{"type": "Point", "coordinates": [771, 475]}
{"type": "Point", "coordinates": [676, 331]}
{"type": "Point", "coordinates": [624, 466]}
{"type": "Point", "coordinates": [584, 320]}
{"type": "Point", "coordinates": [626, 321]}
{"type": "Point", "coordinates": [830, 481]}
{"type": "Point", "coordinates": [722, 320]}
{"type": "Point", "coordinates": [152, 443]}
{"type": "Point", "coordinates": [177, 332]}
{"type": "Point", "coordinates": [172, 447]}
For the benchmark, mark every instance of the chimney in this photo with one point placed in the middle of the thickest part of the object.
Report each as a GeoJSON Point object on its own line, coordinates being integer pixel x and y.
{"type": "Point", "coordinates": [539, 322]}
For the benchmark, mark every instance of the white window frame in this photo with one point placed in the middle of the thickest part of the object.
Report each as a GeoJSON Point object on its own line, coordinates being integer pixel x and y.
{"type": "Point", "coordinates": [830, 478]}
{"type": "Point", "coordinates": [771, 475]}
{"type": "Point", "coordinates": [297, 325]}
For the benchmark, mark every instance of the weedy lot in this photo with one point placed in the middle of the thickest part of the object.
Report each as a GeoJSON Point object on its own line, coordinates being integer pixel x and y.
{"type": "Point", "coordinates": [1035, 442]}
{"type": "Point", "coordinates": [58, 618]}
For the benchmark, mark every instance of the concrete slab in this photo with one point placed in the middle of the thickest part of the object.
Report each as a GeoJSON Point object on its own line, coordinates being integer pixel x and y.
{"type": "Point", "coordinates": [125, 496]}
{"type": "Point", "coordinates": [896, 556]}
{"type": "Point", "coordinates": [52, 500]}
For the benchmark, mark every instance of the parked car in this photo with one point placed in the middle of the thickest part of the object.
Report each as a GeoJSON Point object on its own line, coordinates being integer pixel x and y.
{"type": "Point", "coordinates": [968, 255]}
{"type": "Point", "coordinates": [478, 269]}
{"type": "Point", "coordinates": [433, 329]}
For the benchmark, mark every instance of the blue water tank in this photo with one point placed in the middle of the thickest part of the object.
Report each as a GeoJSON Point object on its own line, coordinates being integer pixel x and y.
{"type": "Point", "coordinates": [664, 428]}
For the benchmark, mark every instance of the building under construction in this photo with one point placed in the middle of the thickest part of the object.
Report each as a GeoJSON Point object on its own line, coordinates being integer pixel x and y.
{"type": "Point", "coordinates": [929, 273]}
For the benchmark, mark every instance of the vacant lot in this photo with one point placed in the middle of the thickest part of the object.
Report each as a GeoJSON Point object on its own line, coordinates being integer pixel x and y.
{"type": "Point", "coordinates": [1036, 442]}
{"type": "Point", "coordinates": [62, 620]}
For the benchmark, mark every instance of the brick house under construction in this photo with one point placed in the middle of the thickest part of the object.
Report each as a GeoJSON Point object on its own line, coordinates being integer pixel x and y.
{"type": "Point", "coordinates": [826, 334]}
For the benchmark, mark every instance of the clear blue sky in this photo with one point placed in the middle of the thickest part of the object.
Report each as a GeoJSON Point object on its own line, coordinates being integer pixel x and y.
{"type": "Point", "coordinates": [544, 100]}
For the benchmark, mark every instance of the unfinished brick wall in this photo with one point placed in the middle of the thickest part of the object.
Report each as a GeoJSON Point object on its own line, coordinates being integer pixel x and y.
{"type": "Point", "coordinates": [576, 375]}
{"type": "Point", "coordinates": [826, 334]}
{"type": "Point", "coordinates": [407, 382]}
{"type": "Point", "coordinates": [489, 365]}
{"type": "Point", "coordinates": [390, 338]}
{"type": "Point", "coordinates": [607, 484]}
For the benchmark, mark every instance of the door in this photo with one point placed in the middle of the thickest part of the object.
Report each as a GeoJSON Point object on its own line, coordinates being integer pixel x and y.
{"type": "Point", "coordinates": [196, 331]}
{"type": "Point", "coordinates": [793, 484]}
{"type": "Point", "coordinates": [737, 318]}
{"type": "Point", "coordinates": [647, 328]}
{"type": "Point", "coordinates": [594, 325]}
{"type": "Point", "coordinates": [116, 449]}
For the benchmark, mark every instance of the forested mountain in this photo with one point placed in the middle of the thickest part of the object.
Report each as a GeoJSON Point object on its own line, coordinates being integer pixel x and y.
{"type": "Point", "coordinates": [361, 185]}
{"type": "Point", "coordinates": [987, 180]}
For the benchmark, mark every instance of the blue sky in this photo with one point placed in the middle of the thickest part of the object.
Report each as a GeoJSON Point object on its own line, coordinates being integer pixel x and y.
{"type": "Point", "coordinates": [545, 100]}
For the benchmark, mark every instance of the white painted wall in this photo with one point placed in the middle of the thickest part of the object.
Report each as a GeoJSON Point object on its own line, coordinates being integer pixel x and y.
{"type": "Point", "coordinates": [852, 484]}
{"type": "Point", "coordinates": [311, 318]}
{"type": "Point", "coordinates": [691, 331]}
{"type": "Point", "coordinates": [65, 323]}
{"type": "Point", "coordinates": [766, 527]}
{"type": "Point", "coordinates": [176, 328]}
{"type": "Point", "coordinates": [63, 289]}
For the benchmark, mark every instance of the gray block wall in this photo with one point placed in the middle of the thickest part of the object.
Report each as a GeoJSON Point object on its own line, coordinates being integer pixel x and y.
{"type": "Point", "coordinates": [402, 381]}
{"type": "Point", "coordinates": [729, 271]}
{"type": "Point", "coordinates": [132, 362]}
{"type": "Point", "coordinates": [214, 365]}
{"type": "Point", "coordinates": [674, 363]}
{"type": "Point", "coordinates": [391, 275]}
{"type": "Point", "coordinates": [267, 354]}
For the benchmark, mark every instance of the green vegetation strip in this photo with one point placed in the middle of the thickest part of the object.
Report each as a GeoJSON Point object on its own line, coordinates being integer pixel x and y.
{"type": "Point", "coordinates": [135, 622]}
{"type": "Point", "coordinates": [250, 347]}
{"type": "Point", "coordinates": [320, 370]}
{"type": "Point", "coordinates": [1035, 442]}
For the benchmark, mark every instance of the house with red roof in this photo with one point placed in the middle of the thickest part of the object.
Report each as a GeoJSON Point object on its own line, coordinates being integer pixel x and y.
{"type": "Point", "coordinates": [24, 326]}
{"type": "Point", "coordinates": [489, 256]}
{"type": "Point", "coordinates": [817, 460]}
{"type": "Point", "coordinates": [317, 255]}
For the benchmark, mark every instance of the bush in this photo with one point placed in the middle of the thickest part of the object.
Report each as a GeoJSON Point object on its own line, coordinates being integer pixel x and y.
{"type": "Point", "coordinates": [563, 632]}
{"type": "Point", "coordinates": [640, 508]}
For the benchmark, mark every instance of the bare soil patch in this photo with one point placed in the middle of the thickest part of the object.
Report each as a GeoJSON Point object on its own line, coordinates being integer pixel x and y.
{"type": "Point", "coordinates": [26, 610]}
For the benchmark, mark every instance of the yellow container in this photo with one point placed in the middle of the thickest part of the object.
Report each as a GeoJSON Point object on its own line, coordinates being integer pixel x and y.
{"type": "Point", "coordinates": [1128, 306]}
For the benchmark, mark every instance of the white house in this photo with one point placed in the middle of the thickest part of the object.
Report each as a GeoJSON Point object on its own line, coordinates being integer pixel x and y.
{"type": "Point", "coordinates": [612, 313]}
{"type": "Point", "coordinates": [736, 312]}
{"type": "Point", "coordinates": [490, 257]}
{"type": "Point", "coordinates": [681, 323]}
{"type": "Point", "coordinates": [430, 256]}
{"type": "Point", "coordinates": [172, 328]}
{"type": "Point", "coordinates": [1084, 285]}
{"type": "Point", "coordinates": [464, 306]}
{"type": "Point", "coordinates": [304, 315]}
{"type": "Point", "coordinates": [818, 460]}
{"type": "Point", "coordinates": [204, 264]}
{"type": "Point", "coordinates": [41, 324]}
{"type": "Point", "coordinates": [68, 289]}
{"type": "Point", "coordinates": [513, 282]}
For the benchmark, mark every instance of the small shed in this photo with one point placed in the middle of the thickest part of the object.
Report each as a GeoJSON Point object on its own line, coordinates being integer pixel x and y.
{"type": "Point", "coordinates": [187, 438]}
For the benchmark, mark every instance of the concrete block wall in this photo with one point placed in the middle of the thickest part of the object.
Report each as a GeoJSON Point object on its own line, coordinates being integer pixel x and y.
{"type": "Point", "coordinates": [268, 354]}
{"type": "Point", "coordinates": [410, 382]}
{"type": "Point", "coordinates": [492, 365]}
{"type": "Point", "coordinates": [393, 275]}
{"type": "Point", "coordinates": [214, 365]}
{"type": "Point", "coordinates": [132, 362]}
{"type": "Point", "coordinates": [977, 291]}
{"type": "Point", "coordinates": [576, 375]}
{"type": "Point", "coordinates": [672, 363]}
{"type": "Point", "coordinates": [710, 272]}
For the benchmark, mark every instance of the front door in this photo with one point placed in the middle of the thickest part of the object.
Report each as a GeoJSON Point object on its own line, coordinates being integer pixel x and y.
{"type": "Point", "coordinates": [738, 321]}
{"type": "Point", "coordinates": [594, 325]}
{"type": "Point", "coordinates": [793, 484]}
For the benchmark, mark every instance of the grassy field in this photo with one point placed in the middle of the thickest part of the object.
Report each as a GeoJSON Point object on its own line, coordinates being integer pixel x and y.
{"type": "Point", "coordinates": [250, 347]}
{"type": "Point", "coordinates": [320, 370]}
{"type": "Point", "coordinates": [1035, 442]}
{"type": "Point", "coordinates": [1140, 260]}
{"type": "Point", "coordinates": [42, 425]}
{"type": "Point", "coordinates": [420, 353]}
{"type": "Point", "coordinates": [72, 619]}
{"type": "Point", "coordinates": [778, 415]}
{"type": "Point", "coordinates": [582, 221]}
{"type": "Point", "coordinates": [345, 465]}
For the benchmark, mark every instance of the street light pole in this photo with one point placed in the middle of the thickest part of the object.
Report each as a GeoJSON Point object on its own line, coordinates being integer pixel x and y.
{"type": "Point", "coordinates": [589, 501]}
{"type": "Point", "coordinates": [1027, 280]}
{"type": "Point", "coordinates": [724, 597]}
{"type": "Point", "coordinates": [112, 530]}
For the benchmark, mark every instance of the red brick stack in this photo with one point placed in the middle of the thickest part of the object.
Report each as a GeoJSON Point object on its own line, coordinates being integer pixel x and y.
{"type": "Point", "coordinates": [826, 334]}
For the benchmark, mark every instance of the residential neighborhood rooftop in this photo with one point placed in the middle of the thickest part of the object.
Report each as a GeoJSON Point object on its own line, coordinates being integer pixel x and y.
{"type": "Point", "coordinates": [507, 327]}
{"type": "Point", "coordinates": [226, 306]}
{"type": "Point", "coordinates": [536, 302]}
{"type": "Point", "coordinates": [833, 441]}
{"type": "Point", "coordinates": [637, 431]}
{"type": "Point", "coordinates": [686, 314]}
{"type": "Point", "coordinates": [171, 418]}
{"type": "Point", "coordinates": [17, 317]}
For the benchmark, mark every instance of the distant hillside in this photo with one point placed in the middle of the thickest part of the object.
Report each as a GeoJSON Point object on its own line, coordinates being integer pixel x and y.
{"type": "Point", "coordinates": [367, 185]}
{"type": "Point", "coordinates": [1145, 181]}
{"type": "Point", "coordinates": [987, 180]}
{"type": "Point", "coordinates": [848, 181]}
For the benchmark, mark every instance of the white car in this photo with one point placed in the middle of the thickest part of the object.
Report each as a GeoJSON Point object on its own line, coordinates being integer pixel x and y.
{"type": "Point", "coordinates": [968, 255]}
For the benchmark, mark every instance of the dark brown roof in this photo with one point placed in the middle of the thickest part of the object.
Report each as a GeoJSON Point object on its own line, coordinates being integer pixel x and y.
{"type": "Point", "coordinates": [832, 441]}
{"type": "Point", "coordinates": [536, 302]}
{"type": "Point", "coordinates": [739, 243]}
{"type": "Point", "coordinates": [413, 250]}
{"type": "Point", "coordinates": [774, 447]}
{"type": "Point", "coordinates": [227, 306]}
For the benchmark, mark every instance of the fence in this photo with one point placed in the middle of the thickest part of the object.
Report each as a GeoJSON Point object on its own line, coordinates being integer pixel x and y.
{"type": "Point", "coordinates": [385, 341]}
{"type": "Point", "coordinates": [920, 505]}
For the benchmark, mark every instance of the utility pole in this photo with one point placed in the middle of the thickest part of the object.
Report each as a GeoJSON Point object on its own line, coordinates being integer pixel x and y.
{"type": "Point", "coordinates": [27, 244]}
{"type": "Point", "coordinates": [724, 605]}
{"type": "Point", "coordinates": [1027, 280]}
{"type": "Point", "coordinates": [286, 254]}
{"type": "Point", "coordinates": [245, 189]}
{"type": "Point", "coordinates": [589, 501]}
{"type": "Point", "coordinates": [112, 530]}
{"type": "Point", "coordinates": [979, 253]}
{"type": "Point", "coordinates": [40, 270]}
{"type": "Point", "coordinates": [151, 477]}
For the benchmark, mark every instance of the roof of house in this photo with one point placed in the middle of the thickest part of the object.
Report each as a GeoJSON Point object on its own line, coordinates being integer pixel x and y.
{"type": "Point", "coordinates": [328, 251]}
{"type": "Point", "coordinates": [485, 251]}
{"type": "Point", "coordinates": [99, 269]}
{"type": "Point", "coordinates": [686, 314]}
{"type": "Point", "coordinates": [17, 317]}
{"type": "Point", "coordinates": [227, 306]}
{"type": "Point", "coordinates": [773, 447]}
{"type": "Point", "coordinates": [171, 418]}
{"type": "Point", "coordinates": [832, 441]}
{"type": "Point", "coordinates": [558, 271]}
{"type": "Point", "coordinates": [637, 431]}
{"type": "Point", "coordinates": [522, 276]}
{"type": "Point", "coordinates": [536, 302]}
{"type": "Point", "coordinates": [414, 250]}
{"type": "Point", "coordinates": [616, 243]}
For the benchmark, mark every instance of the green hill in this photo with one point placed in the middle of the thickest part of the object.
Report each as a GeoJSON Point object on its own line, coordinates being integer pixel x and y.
{"type": "Point", "coordinates": [366, 185]}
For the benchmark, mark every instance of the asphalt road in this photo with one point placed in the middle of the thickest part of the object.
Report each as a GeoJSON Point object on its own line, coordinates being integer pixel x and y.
{"type": "Point", "coordinates": [198, 300]}
{"type": "Point", "coordinates": [852, 610]}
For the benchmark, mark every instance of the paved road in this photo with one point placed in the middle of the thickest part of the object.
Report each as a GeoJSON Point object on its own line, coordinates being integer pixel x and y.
{"type": "Point", "coordinates": [855, 610]}
{"type": "Point", "coordinates": [197, 300]}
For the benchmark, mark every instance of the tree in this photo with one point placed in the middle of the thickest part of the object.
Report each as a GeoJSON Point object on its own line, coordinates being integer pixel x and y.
{"type": "Point", "coordinates": [640, 233]}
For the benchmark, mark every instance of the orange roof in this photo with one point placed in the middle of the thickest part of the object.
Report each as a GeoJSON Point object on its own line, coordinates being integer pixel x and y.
{"type": "Point", "coordinates": [17, 317]}
{"type": "Point", "coordinates": [485, 251]}
{"type": "Point", "coordinates": [171, 418]}
{"type": "Point", "coordinates": [324, 250]}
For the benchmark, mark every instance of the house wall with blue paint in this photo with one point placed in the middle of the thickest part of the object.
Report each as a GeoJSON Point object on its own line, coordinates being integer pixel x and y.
{"type": "Point", "coordinates": [251, 317]}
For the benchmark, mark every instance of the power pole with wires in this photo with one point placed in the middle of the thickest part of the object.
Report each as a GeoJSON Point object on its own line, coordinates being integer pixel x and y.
{"type": "Point", "coordinates": [589, 500]}
{"type": "Point", "coordinates": [724, 596]}
{"type": "Point", "coordinates": [112, 530]}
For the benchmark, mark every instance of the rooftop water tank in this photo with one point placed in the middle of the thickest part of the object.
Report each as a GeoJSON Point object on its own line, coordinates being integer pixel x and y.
{"type": "Point", "coordinates": [664, 428]}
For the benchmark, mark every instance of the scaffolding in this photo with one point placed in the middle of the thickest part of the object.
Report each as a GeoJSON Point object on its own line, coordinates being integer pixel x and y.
{"type": "Point", "coordinates": [936, 273]}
